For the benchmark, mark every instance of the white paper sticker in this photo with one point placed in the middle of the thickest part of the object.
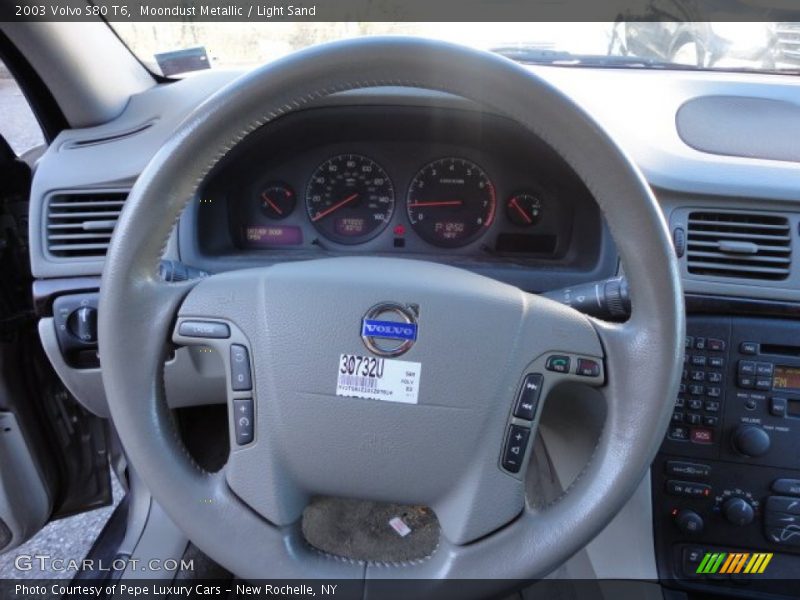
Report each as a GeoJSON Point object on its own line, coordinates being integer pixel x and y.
{"type": "Point", "coordinates": [399, 526]}
{"type": "Point", "coordinates": [378, 378]}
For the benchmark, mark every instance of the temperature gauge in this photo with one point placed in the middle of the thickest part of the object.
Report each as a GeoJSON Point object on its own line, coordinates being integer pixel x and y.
{"type": "Point", "coordinates": [524, 209]}
{"type": "Point", "coordinates": [277, 200]}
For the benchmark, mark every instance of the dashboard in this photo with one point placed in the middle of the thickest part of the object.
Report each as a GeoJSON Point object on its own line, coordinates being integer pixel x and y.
{"type": "Point", "coordinates": [460, 186]}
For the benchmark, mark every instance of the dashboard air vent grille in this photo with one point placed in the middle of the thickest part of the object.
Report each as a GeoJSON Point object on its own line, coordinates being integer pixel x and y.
{"type": "Point", "coordinates": [741, 245]}
{"type": "Point", "coordinates": [80, 225]}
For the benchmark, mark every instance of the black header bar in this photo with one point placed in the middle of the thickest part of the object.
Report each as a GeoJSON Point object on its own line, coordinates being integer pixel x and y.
{"type": "Point", "coordinates": [399, 10]}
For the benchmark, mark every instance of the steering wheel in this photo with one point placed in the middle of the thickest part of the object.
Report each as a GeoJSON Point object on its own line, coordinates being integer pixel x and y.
{"type": "Point", "coordinates": [477, 341]}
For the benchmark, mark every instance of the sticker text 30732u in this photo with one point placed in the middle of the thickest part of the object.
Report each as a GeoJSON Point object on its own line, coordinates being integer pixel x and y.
{"type": "Point", "coordinates": [378, 378]}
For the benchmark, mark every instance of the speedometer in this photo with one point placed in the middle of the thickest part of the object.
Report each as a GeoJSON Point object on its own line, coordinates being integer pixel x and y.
{"type": "Point", "coordinates": [451, 202]}
{"type": "Point", "coordinates": [350, 199]}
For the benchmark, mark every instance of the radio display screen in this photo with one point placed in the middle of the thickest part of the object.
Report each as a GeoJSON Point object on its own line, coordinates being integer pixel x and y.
{"type": "Point", "coordinates": [786, 378]}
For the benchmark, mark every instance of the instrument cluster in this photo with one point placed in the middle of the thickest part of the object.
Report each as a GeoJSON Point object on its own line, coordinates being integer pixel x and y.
{"type": "Point", "coordinates": [350, 199]}
{"type": "Point", "coordinates": [404, 181]}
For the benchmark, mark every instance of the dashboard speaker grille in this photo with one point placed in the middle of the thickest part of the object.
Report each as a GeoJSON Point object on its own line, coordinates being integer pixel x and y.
{"type": "Point", "coordinates": [79, 225]}
{"type": "Point", "coordinates": [739, 245]}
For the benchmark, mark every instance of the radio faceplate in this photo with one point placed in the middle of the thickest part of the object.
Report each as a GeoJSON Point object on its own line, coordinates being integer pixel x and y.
{"type": "Point", "coordinates": [733, 482]}
{"type": "Point", "coordinates": [740, 395]}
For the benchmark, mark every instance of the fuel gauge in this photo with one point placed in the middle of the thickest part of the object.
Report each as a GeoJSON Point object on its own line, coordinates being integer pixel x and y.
{"type": "Point", "coordinates": [277, 200]}
{"type": "Point", "coordinates": [524, 209]}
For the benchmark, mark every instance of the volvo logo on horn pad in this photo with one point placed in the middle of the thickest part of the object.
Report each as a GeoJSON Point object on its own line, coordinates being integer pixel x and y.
{"type": "Point", "coordinates": [390, 329]}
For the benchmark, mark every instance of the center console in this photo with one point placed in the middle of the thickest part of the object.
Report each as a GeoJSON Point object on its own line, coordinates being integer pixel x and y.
{"type": "Point", "coordinates": [727, 477]}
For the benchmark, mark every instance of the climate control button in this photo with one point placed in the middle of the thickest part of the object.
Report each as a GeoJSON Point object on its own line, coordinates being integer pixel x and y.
{"type": "Point", "coordinates": [689, 522]}
{"type": "Point", "coordinates": [738, 511]}
{"type": "Point", "coordinates": [786, 487]}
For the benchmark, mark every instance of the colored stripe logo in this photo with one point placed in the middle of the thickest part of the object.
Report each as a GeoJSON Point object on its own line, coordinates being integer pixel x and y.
{"type": "Point", "coordinates": [731, 563]}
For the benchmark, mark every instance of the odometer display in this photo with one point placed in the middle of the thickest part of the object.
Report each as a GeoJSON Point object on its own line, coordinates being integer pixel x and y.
{"type": "Point", "coordinates": [350, 199]}
{"type": "Point", "coordinates": [451, 202]}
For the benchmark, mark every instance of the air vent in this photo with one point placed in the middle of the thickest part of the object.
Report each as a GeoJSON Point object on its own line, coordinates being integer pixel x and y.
{"type": "Point", "coordinates": [79, 225]}
{"type": "Point", "coordinates": [740, 245]}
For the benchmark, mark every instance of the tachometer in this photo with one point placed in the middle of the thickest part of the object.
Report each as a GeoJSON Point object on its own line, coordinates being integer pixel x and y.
{"type": "Point", "coordinates": [451, 202]}
{"type": "Point", "coordinates": [350, 199]}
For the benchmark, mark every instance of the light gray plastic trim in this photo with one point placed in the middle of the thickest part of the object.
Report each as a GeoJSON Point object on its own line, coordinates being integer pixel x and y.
{"type": "Point", "coordinates": [109, 166]}
{"type": "Point", "coordinates": [89, 72]}
{"type": "Point", "coordinates": [194, 377]}
{"type": "Point", "coordinates": [638, 108]}
{"type": "Point", "coordinates": [625, 549]}
{"type": "Point", "coordinates": [741, 126]}
{"type": "Point", "coordinates": [24, 502]}
{"type": "Point", "coordinates": [160, 543]}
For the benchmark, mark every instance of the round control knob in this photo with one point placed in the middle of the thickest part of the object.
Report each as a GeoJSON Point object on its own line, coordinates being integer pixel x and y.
{"type": "Point", "coordinates": [82, 323]}
{"type": "Point", "coordinates": [689, 522]}
{"type": "Point", "coordinates": [751, 440]}
{"type": "Point", "coordinates": [738, 511]}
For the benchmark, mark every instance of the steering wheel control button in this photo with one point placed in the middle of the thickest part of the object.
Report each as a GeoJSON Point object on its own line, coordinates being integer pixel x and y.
{"type": "Point", "coordinates": [516, 444]}
{"type": "Point", "coordinates": [528, 398]}
{"type": "Point", "coordinates": [243, 420]}
{"type": "Point", "coordinates": [204, 329]}
{"type": "Point", "coordinates": [241, 379]}
{"type": "Point", "coordinates": [588, 367]}
{"type": "Point", "coordinates": [557, 363]}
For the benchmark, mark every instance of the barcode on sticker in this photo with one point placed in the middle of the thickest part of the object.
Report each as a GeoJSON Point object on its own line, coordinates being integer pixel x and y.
{"type": "Point", "coordinates": [361, 376]}
{"type": "Point", "coordinates": [399, 526]}
{"type": "Point", "coordinates": [354, 383]}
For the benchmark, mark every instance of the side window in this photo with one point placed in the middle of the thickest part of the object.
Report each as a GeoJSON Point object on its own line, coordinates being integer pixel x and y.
{"type": "Point", "coordinates": [18, 125]}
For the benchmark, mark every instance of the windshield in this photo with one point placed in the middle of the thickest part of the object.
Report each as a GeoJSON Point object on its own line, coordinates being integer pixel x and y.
{"type": "Point", "coordinates": [177, 48]}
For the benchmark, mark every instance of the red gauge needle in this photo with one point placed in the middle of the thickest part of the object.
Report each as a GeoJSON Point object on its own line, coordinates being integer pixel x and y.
{"type": "Point", "coordinates": [436, 203]}
{"type": "Point", "coordinates": [520, 211]}
{"type": "Point", "coordinates": [274, 206]}
{"type": "Point", "coordinates": [336, 206]}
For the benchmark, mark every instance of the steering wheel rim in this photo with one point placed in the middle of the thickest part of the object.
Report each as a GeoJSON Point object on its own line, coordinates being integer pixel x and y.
{"type": "Point", "coordinates": [138, 308]}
